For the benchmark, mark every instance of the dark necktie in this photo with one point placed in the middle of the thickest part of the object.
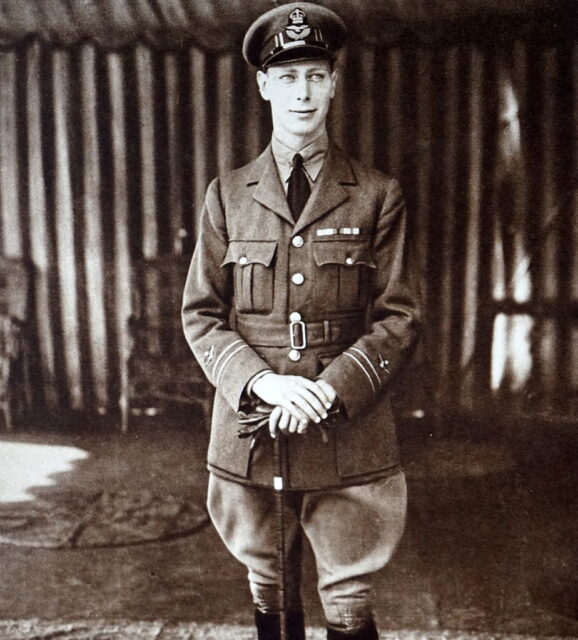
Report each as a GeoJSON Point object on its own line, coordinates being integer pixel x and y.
{"type": "Point", "coordinates": [298, 190]}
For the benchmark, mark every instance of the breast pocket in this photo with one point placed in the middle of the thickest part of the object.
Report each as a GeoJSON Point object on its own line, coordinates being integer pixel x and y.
{"type": "Point", "coordinates": [344, 272]}
{"type": "Point", "coordinates": [252, 261]}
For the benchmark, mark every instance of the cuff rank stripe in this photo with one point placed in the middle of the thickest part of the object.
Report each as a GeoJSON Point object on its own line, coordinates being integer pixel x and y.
{"type": "Point", "coordinates": [362, 367]}
{"type": "Point", "coordinates": [371, 367]}
{"type": "Point", "coordinates": [223, 353]}
{"type": "Point", "coordinates": [226, 362]}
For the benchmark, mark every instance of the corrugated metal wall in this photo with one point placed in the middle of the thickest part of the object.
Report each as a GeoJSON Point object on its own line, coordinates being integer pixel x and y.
{"type": "Point", "coordinates": [105, 157]}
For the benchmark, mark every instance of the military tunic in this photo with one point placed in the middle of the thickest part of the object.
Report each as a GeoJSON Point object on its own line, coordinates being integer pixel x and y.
{"type": "Point", "coordinates": [333, 295]}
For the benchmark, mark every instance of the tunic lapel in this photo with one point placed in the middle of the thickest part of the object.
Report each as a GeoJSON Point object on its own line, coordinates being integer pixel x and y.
{"type": "Point", "coordinates": [336, 172]}
{"type": "Point", "coordinates": [269, 190]}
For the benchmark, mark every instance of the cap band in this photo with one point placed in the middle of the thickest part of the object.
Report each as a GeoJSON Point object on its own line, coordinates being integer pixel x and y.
{"type": "Point", "coordinates": [281, 43]}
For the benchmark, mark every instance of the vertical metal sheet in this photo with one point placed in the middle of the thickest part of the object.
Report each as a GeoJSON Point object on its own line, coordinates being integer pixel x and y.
{"type": "Point", "coordinates": [473, 230]}
{"type": "Point", "coordinates": [199, 109]}
{"type": "Point", "coordinates": [252, 142]}
{"type": "Point", "coordinates": [93, 246]}
{"type": "Point", "coordinates": [64, 221]}
{"type": "Point", "coordinates": [573, 223]}
{"type": "Point", "coordinates": [228, 127]}
{"type": "Point", "coordinates": [549, 359]}
{"type": "Point", "coordinates": [41, 254]}
{"type": "Point", "coordinates": [424, 159]}
{"type": "Point", "coordinates": [120, 203]}
{"type": "Point", "coordinates": [449, 179]}
{"type": "Point", "coordinates": [366, 114]}
{"type": "Point", "coordinates": [574, 196]}
{"type": "Point", "coordinates": [390, 126]}
{"type": "Point", "coordinates": [521, 209]}
{"type": "Point", "coordinates": [549, 277]}
{"type": "Point", "coordinates": [147, 132]}
{"type": "Point", "coordinates": [338, 120]}
{"type": "Point", "coordinates": [10, 214]}
{"type": "Point", "coordinates": [174, 184]}
{"type": "Point", "coordinates": [103, 169]}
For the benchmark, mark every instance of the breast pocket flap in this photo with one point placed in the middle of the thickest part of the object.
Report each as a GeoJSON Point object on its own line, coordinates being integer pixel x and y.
{"type": "Point", "coordinates": [246, 252]}
{"type": "Point", "coordinates": [346, 253]}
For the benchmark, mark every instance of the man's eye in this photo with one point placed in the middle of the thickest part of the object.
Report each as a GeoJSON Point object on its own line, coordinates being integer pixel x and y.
{"type": "Point", "coordinates": [317, 77]}
{"type": "Point", "coordinates": [287, 77]}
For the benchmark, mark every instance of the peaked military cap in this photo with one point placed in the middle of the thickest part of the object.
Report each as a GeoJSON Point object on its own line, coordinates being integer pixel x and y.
{"type": "Point", "coordinates": [292, 32]}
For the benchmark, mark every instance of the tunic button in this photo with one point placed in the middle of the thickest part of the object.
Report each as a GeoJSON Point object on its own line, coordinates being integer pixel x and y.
{"type": "Point", "coordinates": [294, 355]}
{"type": "Point", "coordinates": [295, 317]}
{"type": "Point", "coordinates": [349, 261]}
{"type": "Point", "coordinates": [298, 241]}
{"type": "Point", "coordinates": [297, 278]}
{"type": "Point", "coordinates": [243, 260]}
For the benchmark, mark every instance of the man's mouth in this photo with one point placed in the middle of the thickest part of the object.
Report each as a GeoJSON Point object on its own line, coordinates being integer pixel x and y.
{"type": "Point", "coordinates": [305, 114]}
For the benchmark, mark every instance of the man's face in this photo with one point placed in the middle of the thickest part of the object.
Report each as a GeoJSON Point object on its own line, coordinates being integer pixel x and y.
{"type": "Point", "coordinates": [300, 94]}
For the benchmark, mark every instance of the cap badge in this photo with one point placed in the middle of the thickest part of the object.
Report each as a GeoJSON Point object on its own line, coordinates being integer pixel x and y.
{"type": "Point", "coordinates": [298, 29]}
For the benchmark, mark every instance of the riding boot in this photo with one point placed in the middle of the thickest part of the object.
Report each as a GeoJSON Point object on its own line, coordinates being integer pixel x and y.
{"type": "Point", "coordinates": [268, 625]}
{"type": "Point", "coordinates": [368, 632]}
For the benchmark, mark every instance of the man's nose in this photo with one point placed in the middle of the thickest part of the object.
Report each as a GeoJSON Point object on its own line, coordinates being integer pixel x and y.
{"type": "Point", "coordinates": [303, 90]}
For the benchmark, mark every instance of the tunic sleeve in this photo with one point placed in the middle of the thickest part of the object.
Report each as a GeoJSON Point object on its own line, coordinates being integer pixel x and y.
{"type": "Point", "coordinates": [226, 359]}
{"type": "Point", "coordinates": [367, 368]}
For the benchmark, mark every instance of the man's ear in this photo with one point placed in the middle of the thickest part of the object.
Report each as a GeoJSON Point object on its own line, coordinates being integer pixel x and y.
{"type": "Point", "coordinates": [262, 83]}
{"type": "Point", "coordinates": [334, 81]}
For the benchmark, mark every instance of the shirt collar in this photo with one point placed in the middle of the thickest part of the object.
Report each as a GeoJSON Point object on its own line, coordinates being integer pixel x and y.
{"type": "Point", "coordinates": [313, 156]}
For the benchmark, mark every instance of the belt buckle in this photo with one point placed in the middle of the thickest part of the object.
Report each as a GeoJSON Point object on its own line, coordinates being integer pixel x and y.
{"type": "Point", "coordinates": [298, 335]}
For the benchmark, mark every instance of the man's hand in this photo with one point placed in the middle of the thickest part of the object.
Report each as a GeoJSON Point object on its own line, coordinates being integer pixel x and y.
{"type": "Point", "coordinates": [297, 401]}
{"type": "Point", "coordinates": [281, 420]}
{"type": "Point", "coordinates": [303, 399]}
{"type": "Point", "coordinates": [328, 390]}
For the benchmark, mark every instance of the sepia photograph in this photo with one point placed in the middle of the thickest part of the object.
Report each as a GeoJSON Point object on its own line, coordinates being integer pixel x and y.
{"type": "Point", "coordinates": [288, 320]}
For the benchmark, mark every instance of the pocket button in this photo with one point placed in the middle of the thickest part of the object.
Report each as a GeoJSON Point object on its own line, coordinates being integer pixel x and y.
{"type": "Point", "coordinates": [243, 260]}
{"type": "Point", "coordinates": [349, 261]}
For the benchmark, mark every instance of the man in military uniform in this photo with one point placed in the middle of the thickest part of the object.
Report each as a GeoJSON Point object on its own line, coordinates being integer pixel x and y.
{"type": "Point", "coordinates": [301, 298]}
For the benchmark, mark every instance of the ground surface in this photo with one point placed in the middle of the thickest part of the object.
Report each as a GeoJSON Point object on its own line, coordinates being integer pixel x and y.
{"type": "Point", "coordinates": [94, 629]}
{"type": "Point", "coordinates": [490, 546]}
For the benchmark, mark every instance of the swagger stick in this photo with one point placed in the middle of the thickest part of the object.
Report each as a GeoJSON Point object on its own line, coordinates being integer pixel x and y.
{"type": "Point", "coordinates": [254, 425]}
{"type": "Point", "coordinates": [279, 486]}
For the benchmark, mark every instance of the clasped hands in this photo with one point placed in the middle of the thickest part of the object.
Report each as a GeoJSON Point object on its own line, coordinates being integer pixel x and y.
{"type": "Point", "coordinates": [297, 401]}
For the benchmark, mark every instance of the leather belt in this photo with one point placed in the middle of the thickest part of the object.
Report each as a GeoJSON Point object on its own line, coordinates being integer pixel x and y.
{"type": "Point", "coordinates": [259, 332]}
